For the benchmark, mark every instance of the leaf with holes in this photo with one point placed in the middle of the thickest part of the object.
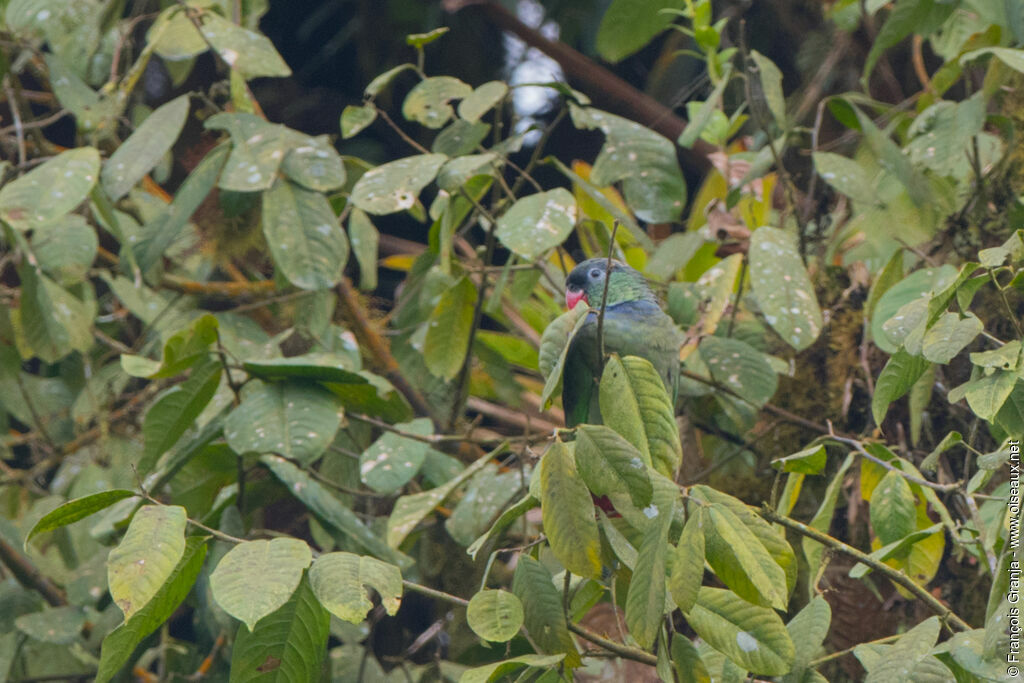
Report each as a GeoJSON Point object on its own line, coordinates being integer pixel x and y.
{"type": "Point", "coordinates": [428, 102]}
{"type": "Point", "coordinates": [147, 555]}
{"type": "Point", "coordinates": [256, 577]}
{"type": "Point", "coordinates": [314, 163]}
{"type": "Point", "coordinates": [394, 186]}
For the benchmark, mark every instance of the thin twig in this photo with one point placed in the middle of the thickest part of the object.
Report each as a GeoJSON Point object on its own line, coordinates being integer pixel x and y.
{"type": "Point", "coordinates": [894, 575]}
{"type": "Point", "coordinates": [604, 296]}
{"type": "Point", "coordinates": [859, 447]}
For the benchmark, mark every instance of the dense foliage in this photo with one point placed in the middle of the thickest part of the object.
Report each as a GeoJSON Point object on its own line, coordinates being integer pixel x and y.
{"type": "Point", "coordinates": [234, 448]}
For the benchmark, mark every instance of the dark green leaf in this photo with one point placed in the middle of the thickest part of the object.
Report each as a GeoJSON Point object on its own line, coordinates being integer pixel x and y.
{"type": "Point", "coordinates": [144, 148]}
{"type": "Point", "coordinates": [608, 463]}
{"type": "Point", "coordinates": [542, 609]}
{"type": "Point", "coordinates": [74, 510]}
{"type": "Point", "coordinates": [569, 513]}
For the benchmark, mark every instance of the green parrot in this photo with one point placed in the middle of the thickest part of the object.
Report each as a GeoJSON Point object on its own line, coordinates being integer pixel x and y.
{"type": "Point", "coordinates": [634, 325]}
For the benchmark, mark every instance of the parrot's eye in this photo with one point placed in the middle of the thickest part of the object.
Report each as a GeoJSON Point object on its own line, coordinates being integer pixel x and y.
{"type": "Point", "coordinates": [595, 274]}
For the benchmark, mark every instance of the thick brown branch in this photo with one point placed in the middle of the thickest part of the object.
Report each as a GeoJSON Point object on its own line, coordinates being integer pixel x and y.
{"type": "Point", "coordinates": [29, 576]}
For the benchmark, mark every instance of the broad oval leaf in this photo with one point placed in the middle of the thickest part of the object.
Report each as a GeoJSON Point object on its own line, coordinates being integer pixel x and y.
{"type": "Point", "coordinates": [319, 366]}
{"type": "Point", "coordinates": [147, 555]}
{"type": "Point", "coordinates": [58, 625]}
{"type": "Point", "coordinates": [810, 460]}
{"type": "Point", "coordinates": [256, 577]}
{"type": "Point", "coordinates": [394, 186]}
{"type": "Point", "coordinates": [54, 321]}
{"type": "Point", "coordinates": [257, 150]}
{"type": "Point", "coordinates": [537, 223]}
{"type": "Point", "coordinates": [568, 513]}
{"type": "Point", "coordinates": [251, 53]}
{"type": "Point", "coordinates": [295, 419]}
{"type": "Point", "coordinates": [784, 292]}
{"type": "Point", "coordinates": [495, 615]}
{"type": "Point", "coordinates": [74, 510]}
{"type": "Point", "coordinates": [542, 609]}
{"type": "Point", "coordinates": [501, 671]}
{"type": "Point", "coordinates": [739, 367]}
{"type": "Point", "coordinates": [65, 248]}
{"type": "Point", "coordinates": [918, 284]}
{"type": "Point", "coordinates": [608, 463]}
{"type": "Point", "coordinates": [486, 496]}
{"type": "Point", "coordinates": [314, 163]}
{"type": "Point", "coordinates": [892, 508]}
{"type": "Point", "coordinates": [51, 190]}
{"type": "Point", "coordinates": [355, 118]}
{"type": "Point", "coordinates": [751, 636]}
{"type": "Point", "coordinates": [339, 581]}
{"type": "Point", "coordinates": [741, 561]}
{"type": "Point", "coordinates": [176, 410]}
{"type": "Point", "coordinates": [482, 99]}
{"type": "Point", "coordinates": [304, 236]}
{"type": "Point", "coordinates": [392, 460]}
{"type": "Point", "coordinates": [807, 630]}
{"type": "Point", "coordinates": [646, 600]}
{"type": "Point", "coordinates": [846, 176]}
{"type": "Point", "coordinates": [628, 25]}
{"type": "Point", "coordinates": [949, 335]}
{"type": "Point", "coordinates": [427, 102]}
{"type": "Point", "coordinates": [144, 148]}
{"type": "Point", "coordinates": [634, 403]}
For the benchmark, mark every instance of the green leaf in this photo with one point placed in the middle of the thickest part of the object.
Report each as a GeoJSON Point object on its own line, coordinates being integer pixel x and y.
{"type": "Point", "coordinates": [899, 660]}
{"type": "Point", "coordinates": [608, 463]}
{"type": "Point", "coordinates": [917, 285]}
{"type": "Point", "coordinates": [418, 40]}
{"type": "Point", "coordinates": [687, 662]}
{"type": "Point", "coordinates": [771, 86]}
{"type": "Point", "coordinates": [537, 223]}
{"type": "Point", "coordinates": [174, 37]}
{"type": "Point", "coordinates": [892, 159]}
{"type": "Point", "coordinates": [568, 513]}
{"type": "Point", "coordinates": [482, 100]}
{"type": "Point", "coordinates": [510, 515]}
{"type": "Point", "coordinates": [597, 196]}
{"type": "Point", "coordinates": [645, 601]}
{"type": "Point", "coordinates": [628, 25]}
{"type": "Point", "coordinates": [495, 615]}
{"type": "Point", "coordinates": [330, 510]}
{"type": "Point", "coordinates": [501, 671]}
{"type": "Point", "coordinates": [250, 53]}
{"type": "Point", "coordinates": [50, 190]}
{"type": "Point", "coordinates": [297, 420]}
{"type": "Point", "coordinates": [783, 290]}
{"type": "Point", "coordinates": [287, 646]}
{"type": "Point", "coordinates": [909, 16]}
{"type": "Point", "coordinates": [75, 510]}
{"type": "Point", "coordinates": [688, 563]}
{"type": "Point", "coordinates": [58, 625]}
{"type": "Point", "coordinates": [144, 148]}
{"type": "Point", "coordinates": [808, 461]}
{"type": "Point", "coordinates": [930, 463]}
{"type": "Point", "coordinates": [897, 377]}
{"type": "Point", "coordinates": [427, 102]}
{"type": "Point", "coordinates": [392, 460]}
{"type": "Point", "coordinates": [892, 508]}
{"type": "Point", "coordinates": [738, 366]}
{"type": "Point", "coordinates": [355, 119]}
{"type": "Point", "coordinates": [949, 336]}
{"type": "Point", "coordinates": [158, 234]}
{"type": "Point", "coordinates": [485, 497]}
{"type": "Point", "coordinates": [643, 160]}
{"type": "Point", "coordinates": [822, 519]}
{"type": "Point", "coordinates": [848, 177]}
{"type": "Point", "coordinates": [177, 409]}
{"type": "Point", "coordinates": [807, 630]}
{"type": "Point", "coordinates": [554, 348]}
{"type": "Point", "coordinates": [119, 644]}
{"type": "Point", "coordinates": [364, 238]}
{"type": "Point", "coordinates": [257, 150]}
{"type": "Point", "coordinates": [339, 581]}
{"type": "Point", "coordinates": [319, 366]}
{"type": "Point", "coordinates": [741, 561]}
{"type": "Point", "coordinates": [303, 235]}
{"type": "Point", "coordinates": [751, 636]}
{"type": "Point", "coordinates": [634, 404]}
{"type": "Point", "coordinates": [181, 351]}
{"type": "Point", "coordinates": [705, 112]}
{"type": "Point", "coordinates": [987, 395]}
{"type": "Point", "coordinates": [542, 609]}
{"type": "Point", "coordinates": [394, 186]}
{"type": "Point", "coordinates": [1011, 57]}
{"type": "Point", "coordinates": [448, 329]}
{"type": "Point", "coordinates": [1006, 357]}
{"type": "Point", "coordinates": [459, 171]}
{"type": "Point", "coordinates": [380, 82]}
{"type": "Point", "coordinates": [146, 557]}
{"type": "Point", "coordinates": [53, 321]}
{"type": "Point", "coordinates": [460, 137]}
{"type": "Point", "coordinates": [65, 248]}
{"type": "Point", "coordinates": [256, 578]}
{"type": "Point", "coordinates": [314, 164]}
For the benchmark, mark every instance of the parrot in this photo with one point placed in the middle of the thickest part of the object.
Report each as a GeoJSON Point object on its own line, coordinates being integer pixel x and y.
{"type": "Point", "coordinates": [634, 325]}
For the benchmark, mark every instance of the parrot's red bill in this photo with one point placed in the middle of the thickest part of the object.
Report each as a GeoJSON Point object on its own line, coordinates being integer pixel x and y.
{"type": "Point", "coordinates": [573, 298]}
